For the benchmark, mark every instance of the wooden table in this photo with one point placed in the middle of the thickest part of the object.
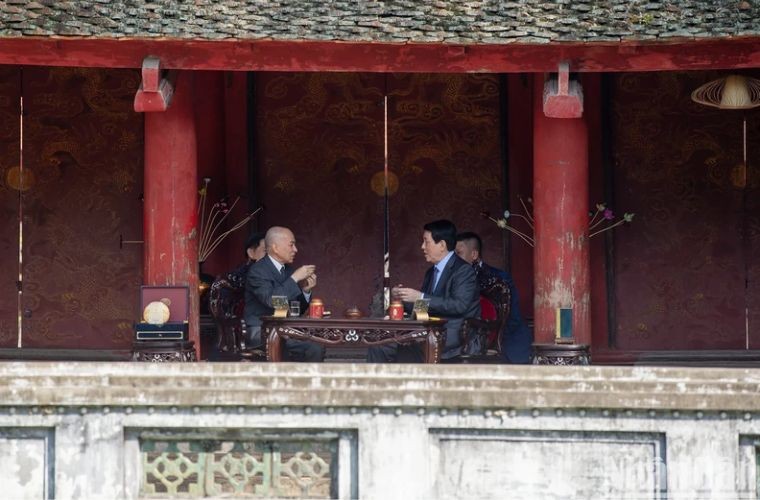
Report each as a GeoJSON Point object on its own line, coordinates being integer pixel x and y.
{"type": "Point", "coordinates": [363, 332]}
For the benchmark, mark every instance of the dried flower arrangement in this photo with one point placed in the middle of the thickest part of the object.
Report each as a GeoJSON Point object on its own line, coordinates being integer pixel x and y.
{"type": "Point", "coordinates": [210, 223]}
{"type": "Point", "coordinates": [601, 220]}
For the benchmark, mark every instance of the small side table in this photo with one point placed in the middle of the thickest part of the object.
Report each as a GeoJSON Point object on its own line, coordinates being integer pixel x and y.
{"type": "Point", "coordinates": [561, 354]}
{"type": "Point", "coordinates": [163, 351]}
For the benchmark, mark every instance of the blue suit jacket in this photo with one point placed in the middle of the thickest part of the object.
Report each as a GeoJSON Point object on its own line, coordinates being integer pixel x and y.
{"type": "Point", "coordinates": [517, 339]}
{"type": "Point", "coordinates": [455, 298]}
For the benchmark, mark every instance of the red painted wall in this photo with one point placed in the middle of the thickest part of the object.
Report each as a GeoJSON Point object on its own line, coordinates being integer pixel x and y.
{"type": "Point", "coordinates": [221, 100]}
{"type": "Point", "coordinates": [209, 108]}
{"type": "Point", "coordinates": [236, 160]}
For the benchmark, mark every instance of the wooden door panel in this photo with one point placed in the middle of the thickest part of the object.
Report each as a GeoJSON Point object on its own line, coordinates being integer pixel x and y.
{"type": "Point", "coordinates": [752, 227]}
{"type": "Point", "coordinates": [680, 266]}
{"type": "Point", "coordinates": [83, 142]}
{"type": "Point", "coordinates": [10, 84]}
{"type": "Point", "coordinates": [445, 142]}
{"type": "Point", "coordinates": [319, 144]}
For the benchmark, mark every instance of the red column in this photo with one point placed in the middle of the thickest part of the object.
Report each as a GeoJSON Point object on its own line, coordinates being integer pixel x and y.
{"type": "Point", "coordinates": [560, 209]}
{"type": "Point", "coordinates": [171, 186]}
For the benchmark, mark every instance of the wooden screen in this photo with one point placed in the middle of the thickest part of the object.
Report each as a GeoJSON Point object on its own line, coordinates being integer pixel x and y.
{"type": "Point", "coordinates": [10, 85]}
{"type": "Point", "coordinates": [687, 267]}
{"type": "Point", "coordinates": [83, 146]}
{"type": "Point", "coordinates": [319, 155]}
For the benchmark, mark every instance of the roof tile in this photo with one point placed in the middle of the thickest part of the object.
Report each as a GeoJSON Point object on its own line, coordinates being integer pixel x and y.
{"type": "Point", "coordinates": [448, 21]}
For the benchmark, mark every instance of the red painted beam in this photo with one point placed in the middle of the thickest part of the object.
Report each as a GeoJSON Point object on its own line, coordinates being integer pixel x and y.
{"type": "Point", "coordinates": [563, 98]}
{"type": "Point", "coordinates": [382, 57]}
{"type": "Point", "coordinates": [155, 92]}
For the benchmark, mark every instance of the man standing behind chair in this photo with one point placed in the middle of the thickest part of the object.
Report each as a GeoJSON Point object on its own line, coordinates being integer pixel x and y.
{"type": "Point", "coordinates": [273, 275]}
{"type": "Point", "coordinates": [450, 285]}
{"type": "Point", "coordinates": [516, 337]}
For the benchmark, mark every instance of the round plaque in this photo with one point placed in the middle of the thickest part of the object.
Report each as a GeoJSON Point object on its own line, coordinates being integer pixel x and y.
{"type": "Point", "coordinates": [156, 313]}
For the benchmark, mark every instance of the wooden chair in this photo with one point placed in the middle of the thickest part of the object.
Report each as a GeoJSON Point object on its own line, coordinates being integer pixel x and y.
{"type": "Point", "coordinates": [482, 336]}
{"type": "Point", "coordinates": [226, 305]}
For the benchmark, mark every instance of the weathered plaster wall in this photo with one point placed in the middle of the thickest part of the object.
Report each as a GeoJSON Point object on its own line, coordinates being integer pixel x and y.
{"type": "Point", "coordinates": [407, 431]}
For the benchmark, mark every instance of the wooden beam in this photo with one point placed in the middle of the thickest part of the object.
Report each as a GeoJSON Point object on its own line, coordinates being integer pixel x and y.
{"type": "Point", "coordinates": [563, 98]}
{"type": "Point", "coordinates": [155, 92]}
{"type": "Point", "coordinates": [243, 55]}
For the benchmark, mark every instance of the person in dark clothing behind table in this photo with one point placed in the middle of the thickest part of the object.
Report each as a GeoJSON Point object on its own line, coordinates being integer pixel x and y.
{"type": "Point", "coordinates": [516, 337]}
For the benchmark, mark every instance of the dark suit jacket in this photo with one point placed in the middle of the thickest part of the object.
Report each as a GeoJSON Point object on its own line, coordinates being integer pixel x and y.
{"type": "Point", "coordinates": [455, 298]}
{"type": "Point", "coordinates": [263, 281]}
{"type": "Point", "coordinates": [517, 339]}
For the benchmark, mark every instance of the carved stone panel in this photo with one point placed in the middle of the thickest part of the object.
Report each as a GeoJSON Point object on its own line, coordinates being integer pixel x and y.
{"type": "Point", "coordinates": [548, 465]}
{"type": "Point", "coordinates": [239, 463]}
{"type": "Point", "coordinates": [27, 461]}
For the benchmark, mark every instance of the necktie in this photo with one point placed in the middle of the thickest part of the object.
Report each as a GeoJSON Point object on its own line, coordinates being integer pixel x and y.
{"type": "Point", "coordinates": [282, 270]}
{"type": "Point", "coordinates": [434, 284]}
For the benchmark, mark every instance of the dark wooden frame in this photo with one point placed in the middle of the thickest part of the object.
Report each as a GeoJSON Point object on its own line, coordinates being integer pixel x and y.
{"type": "Point", "coordinates": [361, 332]}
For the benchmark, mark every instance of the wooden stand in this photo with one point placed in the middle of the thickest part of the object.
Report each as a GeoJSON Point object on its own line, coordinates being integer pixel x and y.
{"type": "Point", "coordinates": [163, 351]}
{"type": "Point", "coordinates": [561, 354]}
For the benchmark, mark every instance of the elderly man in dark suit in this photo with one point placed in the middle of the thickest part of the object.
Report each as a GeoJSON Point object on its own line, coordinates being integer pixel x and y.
{"type": "Point", "coordinates": [274, 275]}
{"type": "Point", "coordinates": [450, 285]}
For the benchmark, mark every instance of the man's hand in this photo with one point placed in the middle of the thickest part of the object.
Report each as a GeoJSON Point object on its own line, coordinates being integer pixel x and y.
{"type": "Point", "coordinates": [406, 294]}
{"type": "Point", "coordinates": [308, 283]}
{"type": "Point", "coordinates": [303, 272]}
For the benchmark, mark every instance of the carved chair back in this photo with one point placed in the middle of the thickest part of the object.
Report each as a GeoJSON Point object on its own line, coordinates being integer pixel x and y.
{"type": "Point", "coordinates": [478, 335]}
{"type": "Point", "coordinates": [226, 304]}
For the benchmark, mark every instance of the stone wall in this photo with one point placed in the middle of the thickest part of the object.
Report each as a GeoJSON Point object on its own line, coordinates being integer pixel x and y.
{"type": "Point", "coordinates": [113, 430]}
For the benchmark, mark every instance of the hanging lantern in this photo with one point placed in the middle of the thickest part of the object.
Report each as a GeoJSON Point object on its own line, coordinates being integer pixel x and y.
{"type": "Point", "coordinates": [732, 92]}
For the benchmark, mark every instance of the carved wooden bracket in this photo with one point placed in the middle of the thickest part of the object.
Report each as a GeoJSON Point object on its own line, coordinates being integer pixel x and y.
{"type": "Point", "coordinates": [563, 98]}
{"type": "Point", "coordinates": [156, 90]}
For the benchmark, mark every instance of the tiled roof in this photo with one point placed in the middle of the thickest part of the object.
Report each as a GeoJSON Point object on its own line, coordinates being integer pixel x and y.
{"type": "Point", "coordinates": [453, 21]}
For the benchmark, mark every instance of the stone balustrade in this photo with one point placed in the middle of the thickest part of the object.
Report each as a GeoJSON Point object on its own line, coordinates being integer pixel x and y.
{"type": "Point", "coordinates": [128, 430]}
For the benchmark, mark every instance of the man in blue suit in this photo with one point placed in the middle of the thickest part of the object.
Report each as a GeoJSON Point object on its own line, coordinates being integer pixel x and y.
{"type": "Point", "coordinates": [517, 338]}
{"type": "Point", "coordinates": [451, 287]}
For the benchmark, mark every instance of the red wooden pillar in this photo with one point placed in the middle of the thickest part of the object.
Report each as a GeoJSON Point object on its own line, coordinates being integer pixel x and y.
{"type": "Point", "coordinates": [171, 186]}
{"type": "Point", "coordinates": [560, 199]}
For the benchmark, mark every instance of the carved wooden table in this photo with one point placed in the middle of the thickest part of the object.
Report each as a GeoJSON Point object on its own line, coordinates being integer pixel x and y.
{"type": "Point", "coordinates": [363, 332]}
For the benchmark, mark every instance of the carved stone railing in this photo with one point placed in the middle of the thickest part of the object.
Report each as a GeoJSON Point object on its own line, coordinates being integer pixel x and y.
{"type": "Point", "coordinates": [128, 430]}
{"type": "Point", "coordinates": [218, 462]}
